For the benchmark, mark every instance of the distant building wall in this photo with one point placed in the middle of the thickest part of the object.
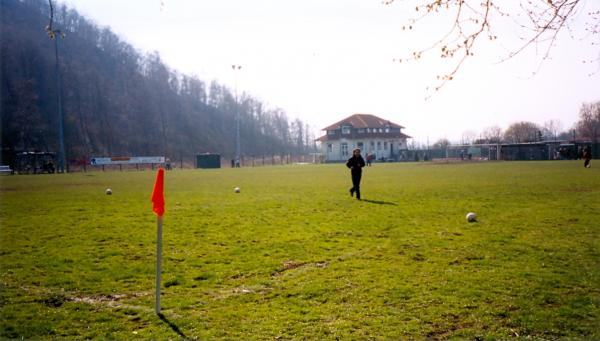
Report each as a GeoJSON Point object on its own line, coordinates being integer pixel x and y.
{"type": "Point", "coordinates": [341, 150]}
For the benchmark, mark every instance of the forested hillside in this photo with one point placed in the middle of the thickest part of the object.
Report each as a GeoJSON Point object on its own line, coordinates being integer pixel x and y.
{"type": "Point", "coordinates": [118, 101]}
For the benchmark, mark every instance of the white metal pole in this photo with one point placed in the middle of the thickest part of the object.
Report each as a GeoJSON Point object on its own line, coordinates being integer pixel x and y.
{"type": "Point", "coordinates": [158, 261]}
{"type": "Point", "coordinates": [237, 118]}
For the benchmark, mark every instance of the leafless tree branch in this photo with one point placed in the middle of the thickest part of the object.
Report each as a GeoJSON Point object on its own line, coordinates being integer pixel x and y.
{"type": "Point", "coordinates": [545, 19]}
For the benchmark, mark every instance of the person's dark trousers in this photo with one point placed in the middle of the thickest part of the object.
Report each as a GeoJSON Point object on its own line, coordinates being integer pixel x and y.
{"type": "Point", "coordinates": [586, 163]}
{"type": "Point", "coordinates": [356, 184]}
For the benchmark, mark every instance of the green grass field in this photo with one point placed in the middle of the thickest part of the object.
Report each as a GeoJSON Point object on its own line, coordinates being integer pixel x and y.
{"type": "Point", "coordinates": [293, 256]}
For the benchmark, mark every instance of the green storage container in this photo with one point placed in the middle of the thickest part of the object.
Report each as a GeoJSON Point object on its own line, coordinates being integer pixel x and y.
{"type": "Point", "coordinates": [208, 161]}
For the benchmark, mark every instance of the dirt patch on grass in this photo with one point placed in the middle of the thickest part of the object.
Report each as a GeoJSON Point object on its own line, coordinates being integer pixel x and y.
{"type": "Point", "coordinates": [288, 265]}
{"type": "Point", "coordinates": [292, 264]}
{"type": "Point", "coordinates": [452, 323]}
{"type": "Point", "coordinates": [104, 299]}
{"type": "Point", "coordinates": [241, 290]}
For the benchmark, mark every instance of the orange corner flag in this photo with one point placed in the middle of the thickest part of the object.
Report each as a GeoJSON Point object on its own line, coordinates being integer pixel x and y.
{"type": "Point", "coordinates": [158, 194]}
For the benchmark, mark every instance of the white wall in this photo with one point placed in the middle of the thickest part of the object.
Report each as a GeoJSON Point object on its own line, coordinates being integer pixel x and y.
{"type": "Point", "coordinates": [336, 151]}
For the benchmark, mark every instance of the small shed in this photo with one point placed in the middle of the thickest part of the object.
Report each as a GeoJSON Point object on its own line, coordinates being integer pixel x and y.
{"type": "Point", "coordinates": [208, 161]}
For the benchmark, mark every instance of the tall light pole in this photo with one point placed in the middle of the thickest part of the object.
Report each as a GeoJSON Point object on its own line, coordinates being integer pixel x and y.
{"type": "Point", "coordinates": [62, 155]}
{"type": "Point", "coordinates": [55, 34]}
{"type": "Point", "coordinates": [237, 119]}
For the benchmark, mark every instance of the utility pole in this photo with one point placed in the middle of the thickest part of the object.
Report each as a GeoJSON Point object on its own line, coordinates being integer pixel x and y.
{"type": "Point", "coordinates": [63, 167]}
{"type": "Point", "coordinates": [237, 119]}
{"type": "Point", "coordinates": [54, 34]}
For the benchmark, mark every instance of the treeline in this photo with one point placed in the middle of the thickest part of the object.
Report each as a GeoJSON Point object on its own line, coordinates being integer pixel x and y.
{"type": "Point", "coordinates": [586, 129]}
{"type": "Point", "coordinates": [117, 101]}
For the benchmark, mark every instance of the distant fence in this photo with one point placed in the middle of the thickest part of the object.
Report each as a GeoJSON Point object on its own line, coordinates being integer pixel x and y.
{"type": "Point", "coordinates": [191, 163]}
{"type": "Point", "coordinates": [414, 155]}
{"type": "Point", "coordinates": [273, 160]}
{"type": "Point", "coordinates": [549, 150]}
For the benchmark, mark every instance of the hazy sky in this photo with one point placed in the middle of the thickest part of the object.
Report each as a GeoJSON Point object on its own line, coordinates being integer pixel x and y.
{"type": "Point", "coordinates": [323, 60]}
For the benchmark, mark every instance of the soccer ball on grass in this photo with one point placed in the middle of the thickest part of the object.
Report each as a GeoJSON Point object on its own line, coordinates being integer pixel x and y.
{"type": "Point", "coordinates": [471, 217]}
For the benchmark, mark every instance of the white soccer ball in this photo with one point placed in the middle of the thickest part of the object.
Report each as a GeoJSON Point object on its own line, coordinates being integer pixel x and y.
{"type": "Point", "coordinates": [471, 217]}
{"type": "Point", "coordinates": [108, 191]}
{"type": "Point", "coordinates": [237, 189]}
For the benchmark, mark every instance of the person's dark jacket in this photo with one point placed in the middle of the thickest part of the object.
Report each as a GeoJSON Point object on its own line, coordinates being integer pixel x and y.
{"type": "Point", "coordinates": [586, 154]}
{"type": "Point", "coordinates": [355, 163]}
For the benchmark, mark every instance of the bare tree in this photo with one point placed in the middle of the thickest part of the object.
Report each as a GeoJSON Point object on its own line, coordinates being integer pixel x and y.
{"type": "Point", "coordinates": [522, 132]}
{"type": "Point", "coordinates": [441, 143]}
{"type": "Point", "coordinates": [551, 129]}
{"type": "Point", "coordinates": [492, 134]}
{"type": "Point", "coordinates": [468, 137]}
{"type": "Point", "coordinates": [538, 23]}
{"type": "Point", "coordinates": [589, 121]}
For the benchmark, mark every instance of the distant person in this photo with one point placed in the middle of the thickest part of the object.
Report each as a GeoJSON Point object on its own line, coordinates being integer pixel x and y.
{"type": "Point", "coordinates": [49, 167]}
{"type": "Point", "coordinates": [356, 164]}
{"type": "Point", "coordinates": [587, 157]}
{"type": "Point", "coordinates": [369, 159]}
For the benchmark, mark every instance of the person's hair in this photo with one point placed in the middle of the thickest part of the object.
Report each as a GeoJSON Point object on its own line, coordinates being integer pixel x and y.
{"type": "Point", "coordinates": [356, 149]}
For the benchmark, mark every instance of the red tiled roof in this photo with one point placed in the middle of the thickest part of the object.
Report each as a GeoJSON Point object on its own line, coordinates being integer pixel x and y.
{"type": "Point", "coordinates": [363, 121]}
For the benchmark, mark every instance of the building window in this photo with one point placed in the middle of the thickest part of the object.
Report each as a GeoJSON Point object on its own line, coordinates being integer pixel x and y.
{"type": "Point", "coordinates": [344, 149]}
{"type": "Point", "coordinates": [385, 146]}
{"type": "Point", "coordinates": [359, 145]}
{"type": "Point", "coordinates": [372, 146]}
{"type": "Point", "coordinates": [330, 132]}
{"type": "Point", "coordinates": [368, 130]}
{"type": "Point", "coordinates": [329, 148]}
{"type": "Point", "coordinates": [360, 131]}
{"type": "Point", "coordinates": [345, 130]}
{"type": "Point", "coordinates": [387, 130]}
{"type": "Point", "coordinates": [378, 145]}
{"type": "Point", "coordinates": [380, 130]}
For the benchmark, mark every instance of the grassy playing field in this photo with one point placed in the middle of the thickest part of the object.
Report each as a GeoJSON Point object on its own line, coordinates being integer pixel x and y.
{"type": "Point", "coordinates": [293, 256]}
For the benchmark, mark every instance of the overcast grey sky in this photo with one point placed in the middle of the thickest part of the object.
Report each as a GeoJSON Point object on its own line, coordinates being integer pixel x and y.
{"type": "Point", "coordinates": [323, 60]}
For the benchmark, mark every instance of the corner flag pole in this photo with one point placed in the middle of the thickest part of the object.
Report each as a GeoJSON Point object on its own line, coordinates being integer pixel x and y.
{"type": "Point", "coordinates": [158, 206]}
{"type": "Point", "coordinates": [159, 221]}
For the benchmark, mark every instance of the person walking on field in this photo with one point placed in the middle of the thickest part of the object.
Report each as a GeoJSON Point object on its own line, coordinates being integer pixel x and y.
{"type": "Point", "coordinates": [355, 163]}
{"type": "Point", "coordinates": [587, 156]}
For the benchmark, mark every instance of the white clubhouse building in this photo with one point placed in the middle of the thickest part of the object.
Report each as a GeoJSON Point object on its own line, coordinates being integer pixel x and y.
{"type": "Point", "coordinates": [372, 134]}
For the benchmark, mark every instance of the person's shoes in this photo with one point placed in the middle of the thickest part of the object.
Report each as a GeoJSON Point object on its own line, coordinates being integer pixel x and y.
{"type": "Point", "coordinates": [351, 192]}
